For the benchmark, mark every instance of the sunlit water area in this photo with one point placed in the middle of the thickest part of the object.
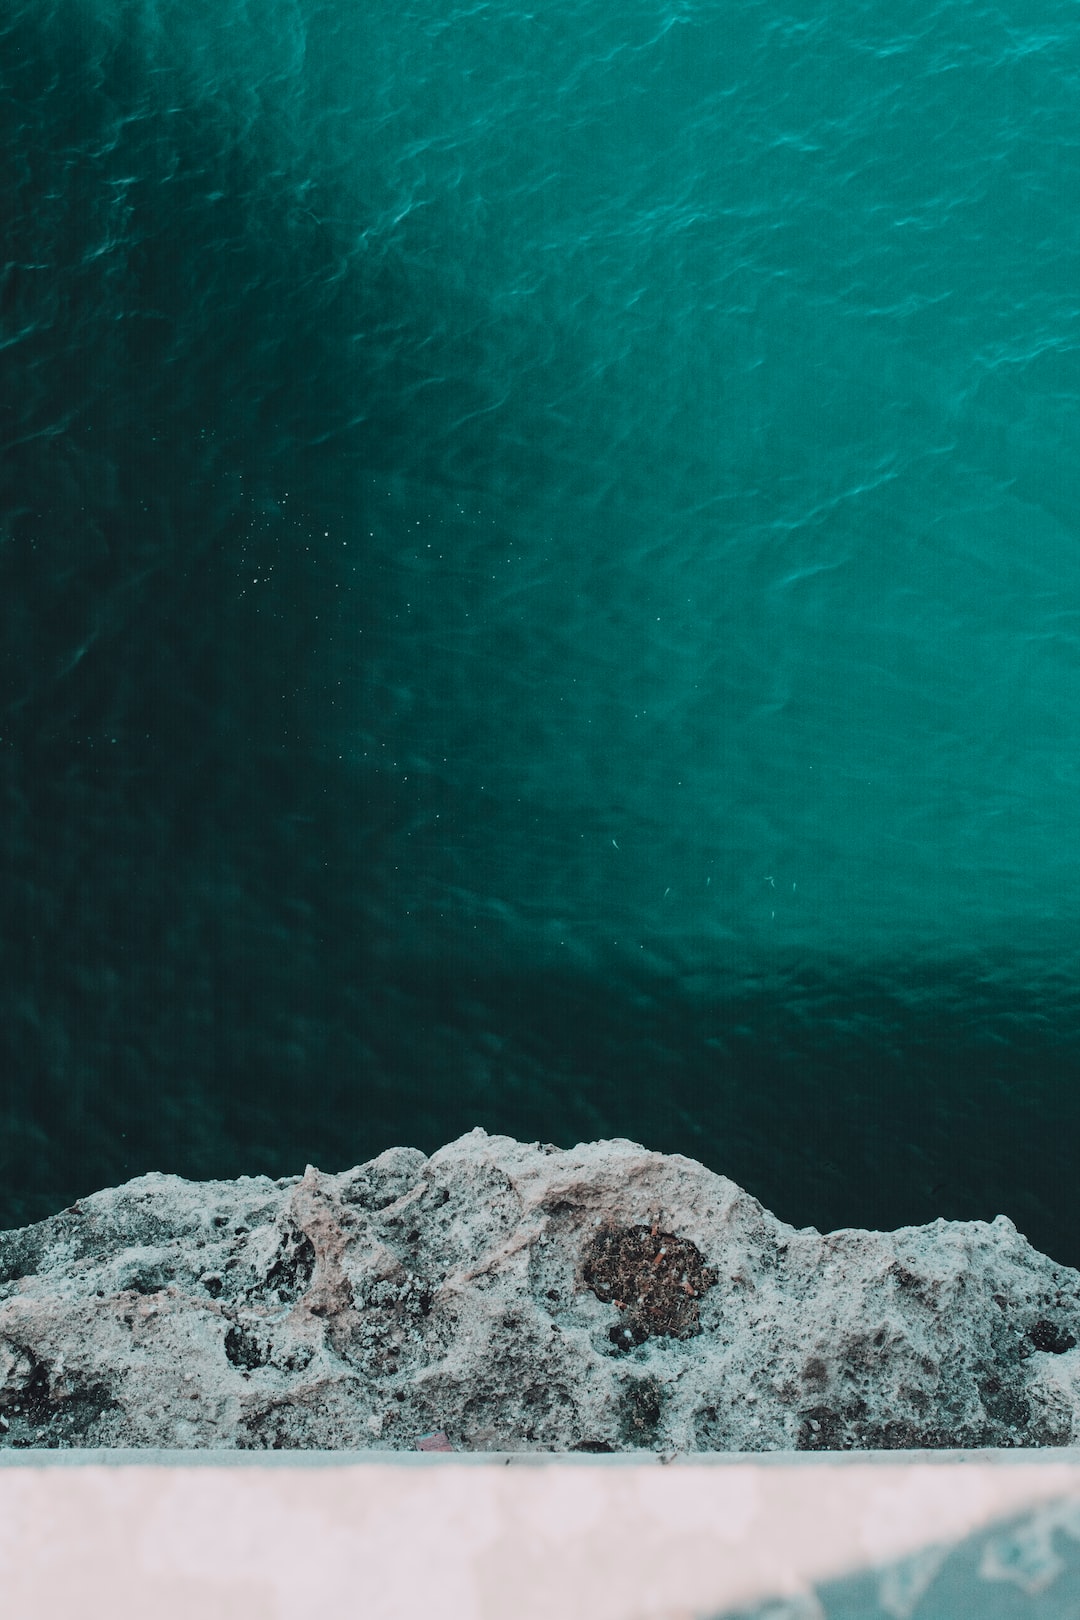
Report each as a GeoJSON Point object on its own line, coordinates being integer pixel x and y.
{"type": "Point", "coordinates": [540, 587]}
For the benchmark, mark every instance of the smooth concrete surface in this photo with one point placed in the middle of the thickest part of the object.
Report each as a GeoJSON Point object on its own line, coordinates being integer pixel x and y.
{"type": "Point", "coordinates": [398, 1536]}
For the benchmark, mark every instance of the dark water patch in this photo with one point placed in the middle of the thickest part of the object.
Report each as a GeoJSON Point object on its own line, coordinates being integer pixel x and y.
{"type": "Point", "coordinates": [836, 1101]}
{"type": "Point", "coordinates": [491, 509]}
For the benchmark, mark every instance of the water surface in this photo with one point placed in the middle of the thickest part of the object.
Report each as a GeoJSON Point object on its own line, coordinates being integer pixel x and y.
{"type": "Point", "coordinates": [540, 586]}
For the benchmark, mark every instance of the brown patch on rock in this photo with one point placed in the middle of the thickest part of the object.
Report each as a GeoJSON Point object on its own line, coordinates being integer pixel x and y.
{"type": "Point", "coordinates": [655, 1279]}
{"type": "Point", "coordinates": [1050, 1338]}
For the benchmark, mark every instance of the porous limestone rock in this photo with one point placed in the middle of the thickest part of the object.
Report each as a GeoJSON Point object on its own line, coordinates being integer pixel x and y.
{"type": "Point", "coordinates": [520, 1297]}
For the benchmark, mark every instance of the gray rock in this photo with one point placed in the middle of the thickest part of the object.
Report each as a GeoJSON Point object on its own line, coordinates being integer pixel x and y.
{"type": "Point", "coordinates": [519, 1297]}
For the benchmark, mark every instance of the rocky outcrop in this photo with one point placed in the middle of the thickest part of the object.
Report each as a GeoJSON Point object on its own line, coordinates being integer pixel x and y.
{"type": "Point", "coordinates": [518, 1297]}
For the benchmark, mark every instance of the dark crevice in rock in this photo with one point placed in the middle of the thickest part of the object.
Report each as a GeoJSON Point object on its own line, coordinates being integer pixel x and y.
{"type": "Point", "coordinates": [289, 1274]}
{"type": "Point", "coordinates": [244, 1350]}
{"type": "Point", "coordinates": [43, 1411]}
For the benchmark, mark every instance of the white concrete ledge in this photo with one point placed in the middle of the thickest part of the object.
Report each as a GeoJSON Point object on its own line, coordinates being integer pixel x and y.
{"type": "Point", "coordinates": [393, 1536]}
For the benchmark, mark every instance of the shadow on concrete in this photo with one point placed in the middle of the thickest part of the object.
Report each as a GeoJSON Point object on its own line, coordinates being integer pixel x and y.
{"type": "Point", "coordinates": [1023, 1568]}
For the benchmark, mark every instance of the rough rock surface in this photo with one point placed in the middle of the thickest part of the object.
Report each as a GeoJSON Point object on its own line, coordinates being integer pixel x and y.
{"type": "Point", "coordinates": [522, 1298]}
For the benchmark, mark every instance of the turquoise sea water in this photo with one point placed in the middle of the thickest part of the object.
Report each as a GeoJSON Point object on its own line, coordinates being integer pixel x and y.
{"type": "Point", "coordinates": [540, 586]}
